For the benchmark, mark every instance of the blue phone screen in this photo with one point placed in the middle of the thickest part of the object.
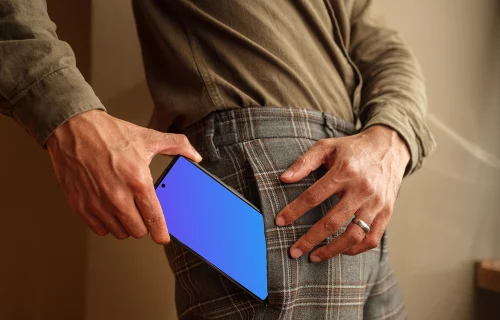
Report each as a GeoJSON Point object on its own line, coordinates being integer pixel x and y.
{"type": "Point", "coordinates": [215, 223]}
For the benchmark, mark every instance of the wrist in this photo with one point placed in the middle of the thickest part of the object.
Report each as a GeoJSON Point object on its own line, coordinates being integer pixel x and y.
{"type": "Point", "coordinates": [54, 140]}
{"type": "Point", "coordinates": [391, 138]}
{"type": "Point", "coordinates": [67, 129]}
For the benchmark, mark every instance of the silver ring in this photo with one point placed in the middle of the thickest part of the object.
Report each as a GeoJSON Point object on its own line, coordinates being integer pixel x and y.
{"type": "Point", "coordinates": [362, 224]}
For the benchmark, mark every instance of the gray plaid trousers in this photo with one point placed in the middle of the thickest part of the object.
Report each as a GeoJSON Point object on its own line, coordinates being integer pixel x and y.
{"type": "Point", "coordinates": [249, 149]}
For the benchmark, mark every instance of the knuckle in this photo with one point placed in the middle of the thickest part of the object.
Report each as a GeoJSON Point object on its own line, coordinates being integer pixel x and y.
{"type": "Point", "coordinates": [140, 180]}
{"type": "Point", "coordinates": [366, 187]}
{"type": "Point", "coordinates": [301, 161]}
{"type": "Point", "coordinates": [153, 222]}
{"type": "Point", "coordinates": [378, 200]}
{"type": "Point", "coordinates": [128, 167]}
{"type": "Point", "coordinates": [122, 214]}
{"type": "Point", "coordinates": [348, 167]}
{"type": "Point", "coordinates": [109, 223]}
{"type": "Point", "coordinates": [305, 161]}
{"type": "Point", "coordinates": [372, 243]}
{"type": "Point", "coordinates": [346, 206]}
{"type": "Point", "coordinates": [332, 224]}
{"type": "Point", "coordinates": [172, 143]}
{"type": "Point", "coordinates": [311, 197]}
{"type": "Point", "coordinates": [152, 139]}
{"type": "Point", "coordinates": [387, 210]}
{"type": "Point", "coordinates": [322, 142]}
{"type": "Point", "coordinates": [357, 236]}
{"type": "Point", "coordinates": [180, 139]}
{"type": "Point", "coordinates": [118, 197]}
{"type": "Point", "coordinates": [306, 243]}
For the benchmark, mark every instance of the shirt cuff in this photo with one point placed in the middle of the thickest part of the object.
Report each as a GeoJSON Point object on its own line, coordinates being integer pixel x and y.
{"type": "Point", "coordinates": [412, 130]}
{"type": "Point", "coordinates": [51, 101]}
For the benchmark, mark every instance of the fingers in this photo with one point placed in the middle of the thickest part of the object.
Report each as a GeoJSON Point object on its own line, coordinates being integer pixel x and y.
{"type": "Point", "coordinates": [107, 182]}
{"type": "Point", "coordinates": [124, 214]}
{"type": "Point", "coordinates": [95, 224]}
{"type": "Point", "coordinates": [313, 196]}
{"type": "Point", "coordinates": [326, 226]}
{"type": "Point", "coordinates": [131, 220]}
{"type": "Point", "coordinates": [362, 168]}
{"type": "Point", "coordinates": [351, 237]}
{"type": "Point", "coordinates": [308, 162]}
{"type": "Point", "coordinates": [117, 211]}
{"type": "Point", "coordinates": [152, 214]}
{"type": "Point", "coordinates": [99, 221]}
{"type": "Point", "coordinates": [113, 225]}
{"type": "Point", "coordinates": [172, 144]}
{"type": "Point", "coordinates": [372, 239]}
{"type": "Point", "coordinates": [354, 240]}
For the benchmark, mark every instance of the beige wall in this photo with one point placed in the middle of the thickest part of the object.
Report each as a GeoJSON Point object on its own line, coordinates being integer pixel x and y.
{"type": "Point", "coordinates": [448, 213]}
{"type": "Point", "coordinates": [42, 243]}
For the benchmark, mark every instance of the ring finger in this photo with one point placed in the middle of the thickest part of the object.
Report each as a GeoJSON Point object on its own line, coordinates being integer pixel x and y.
{"type": "Point", "coordinates": [352, 236]}
{"type": "Point", "coordinates": [326, 226]}
{"type": "Point", "coordinates": [113, 224]}
{"type": "Point", "coordinates": [95, 224]}
{"type": "Point", "coordinates": [372, 239]}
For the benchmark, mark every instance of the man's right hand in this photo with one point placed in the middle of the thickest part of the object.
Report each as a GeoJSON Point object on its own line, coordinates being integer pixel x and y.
{"type": "Point", "coordinates": [102, 163]}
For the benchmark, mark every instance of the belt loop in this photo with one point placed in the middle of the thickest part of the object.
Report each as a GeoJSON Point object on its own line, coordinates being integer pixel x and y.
{"type": "Point", "coordinates": [211, 153]}
{"type": "Point", "coordinates": [327, 124]}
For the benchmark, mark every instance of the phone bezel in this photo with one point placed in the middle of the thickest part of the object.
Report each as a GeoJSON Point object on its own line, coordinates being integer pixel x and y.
{"type": "Point", "coordinates": [156, 185]}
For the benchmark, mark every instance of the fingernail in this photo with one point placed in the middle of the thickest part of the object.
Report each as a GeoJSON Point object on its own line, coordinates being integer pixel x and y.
{"type": "Point", "coordinates": [198, 156]}
{"type": "Point", "coordinates": [287, 174]}
{"type": "Point", "coordinates": [315, 259]}
{"type": "Point", "coordinates": [280, 221]}
{"type": "Point", "coordinates": [296, 252]}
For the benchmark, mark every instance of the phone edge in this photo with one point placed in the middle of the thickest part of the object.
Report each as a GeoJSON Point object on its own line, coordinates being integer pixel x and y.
{"type": "Point", "coordinates": [157, 183]}
{"type": "Point", "coordinates": [166, 170]}
{"type": "Point", "coordinates": [236, 193]}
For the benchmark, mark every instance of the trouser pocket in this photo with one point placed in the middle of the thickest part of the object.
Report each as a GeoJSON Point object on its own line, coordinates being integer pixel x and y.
{"type": "Point", "coordinates": [202, 292]}
{"type": "Point", "coordinates": [289, 280]}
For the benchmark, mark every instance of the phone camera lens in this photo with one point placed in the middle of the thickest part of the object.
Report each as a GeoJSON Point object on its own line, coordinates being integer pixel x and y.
{"type": "Point", "coordinates": [163, 185]}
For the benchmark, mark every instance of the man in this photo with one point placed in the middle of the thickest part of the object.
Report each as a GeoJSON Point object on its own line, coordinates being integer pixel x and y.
{"type": "Point", "coordinates": [269, 92]}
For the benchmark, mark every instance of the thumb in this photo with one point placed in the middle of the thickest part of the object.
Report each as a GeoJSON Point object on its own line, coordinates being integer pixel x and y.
{"type": "Point", "coordinates": [174, 144]}
{"type": "Point", "coordinates": [306, 163]}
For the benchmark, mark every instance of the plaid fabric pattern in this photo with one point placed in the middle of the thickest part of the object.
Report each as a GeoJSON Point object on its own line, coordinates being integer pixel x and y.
{"type": "Point", "coordinates": [248, 149]}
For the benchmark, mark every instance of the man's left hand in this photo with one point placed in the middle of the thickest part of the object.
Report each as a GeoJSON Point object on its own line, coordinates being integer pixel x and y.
{"type": "Point", "coordinates": [365, 170]}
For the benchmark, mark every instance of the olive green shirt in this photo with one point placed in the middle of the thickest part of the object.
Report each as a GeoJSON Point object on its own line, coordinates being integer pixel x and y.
{"type": "Point", "coordinates": [202, 56]}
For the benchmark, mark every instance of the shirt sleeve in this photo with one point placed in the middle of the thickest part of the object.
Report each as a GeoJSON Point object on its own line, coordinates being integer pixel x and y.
{"type": "Point", "coordinates": [393, 91]}
{"type": "Point", "coordinates": [40, 85]}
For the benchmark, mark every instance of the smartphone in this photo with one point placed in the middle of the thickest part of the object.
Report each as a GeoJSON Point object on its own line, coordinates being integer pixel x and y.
{"type": "Point", "coordinates": [215, 223]}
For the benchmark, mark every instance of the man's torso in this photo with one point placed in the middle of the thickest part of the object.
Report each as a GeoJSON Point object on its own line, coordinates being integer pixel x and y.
{"type": "Point", "coordinates": [202, 56]}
